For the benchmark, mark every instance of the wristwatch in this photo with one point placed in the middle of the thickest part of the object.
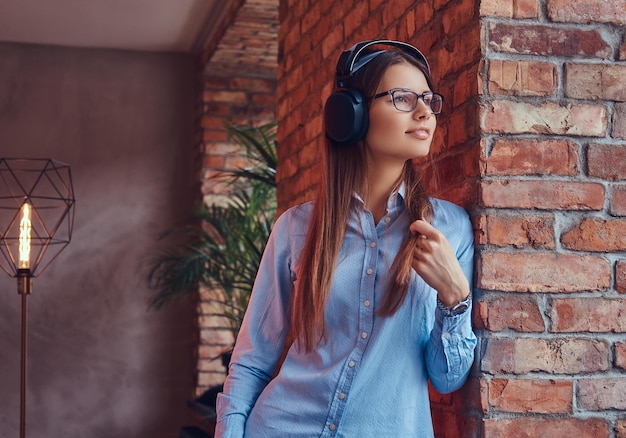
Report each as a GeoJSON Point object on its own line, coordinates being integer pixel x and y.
{"type": "Point", "coordinates": [457, 309]}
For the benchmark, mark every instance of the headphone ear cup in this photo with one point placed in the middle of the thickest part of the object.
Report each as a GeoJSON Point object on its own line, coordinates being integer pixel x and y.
{"type": "Point", "coordinates": [345, 116]}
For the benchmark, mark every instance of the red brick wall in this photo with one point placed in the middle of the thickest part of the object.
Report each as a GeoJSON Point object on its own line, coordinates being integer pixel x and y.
{"type": "Point", "coordinates": [237, 81]}
{"type": "Point", "coordinates": [551, 202]}
{"type": "Point", "coordinates": [225, 100]}
{"type": "Point", "coordinates": [311, 39]}
{"type": "Point", "coordinates": [533, 144]}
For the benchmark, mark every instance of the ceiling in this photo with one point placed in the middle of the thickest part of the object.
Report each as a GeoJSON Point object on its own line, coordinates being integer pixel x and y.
{"type": "Point", "coordinates": [146, 25]}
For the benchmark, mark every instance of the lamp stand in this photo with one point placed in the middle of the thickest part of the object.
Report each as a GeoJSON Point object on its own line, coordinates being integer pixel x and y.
{"type": "Point", "coordinates": [36, 212]}
{"type": "Point", "coordinates": [24, 288]}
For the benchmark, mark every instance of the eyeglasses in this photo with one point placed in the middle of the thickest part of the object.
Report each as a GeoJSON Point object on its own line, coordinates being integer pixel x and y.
{"type": "Point", "coordinates": [406, 100]}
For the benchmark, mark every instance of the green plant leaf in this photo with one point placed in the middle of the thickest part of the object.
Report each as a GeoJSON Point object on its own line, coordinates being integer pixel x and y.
{"type": "Point", "coordinates": [221, 248]}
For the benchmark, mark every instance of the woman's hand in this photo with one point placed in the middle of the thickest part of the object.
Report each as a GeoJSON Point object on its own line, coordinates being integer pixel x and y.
{"type": "Point", "coordinates": [434, 260]}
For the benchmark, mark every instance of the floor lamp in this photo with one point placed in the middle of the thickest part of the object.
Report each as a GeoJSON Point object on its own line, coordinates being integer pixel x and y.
{"type": "Point", "coordinates": [36, 221]}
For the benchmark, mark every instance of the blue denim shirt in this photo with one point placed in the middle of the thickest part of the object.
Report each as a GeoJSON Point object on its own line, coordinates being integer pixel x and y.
{"type": "Point", "coordinates": [370, 378]}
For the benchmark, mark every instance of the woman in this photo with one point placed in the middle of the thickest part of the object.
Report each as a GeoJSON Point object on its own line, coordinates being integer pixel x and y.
{"type": "Point", "coordinates": [363, 295]}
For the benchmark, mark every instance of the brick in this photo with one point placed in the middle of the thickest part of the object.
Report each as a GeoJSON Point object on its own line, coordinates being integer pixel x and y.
{"type": "Point", "coordinates": [548, 41]}
{"type": "Point", "coordinates": [215, 82]}
{"type": "Point", "coordinates": [585, 11]}
{"type": "Point", "coordinates": [215, 108]}
{"type": "Point", "coordinates": [221, 148]}
{"type": "Point", "coordinates": [484, 394]}
{"type": "Point", "coordinates": [619, 121]}
{"type": "Point", "coordinates": [311, 17]}
{"type": "Point", "coordinates": [521, 314]}
{"type": "Point", "coordinates": [620, 276]}
{"type": "Point", "coordinates": [208, 320]}
{"type": "Point", "coordinates": [620, 428]}
{"type": "Point", "coordinates": [532, 157]}
{"type": "Point", "coordinates": [439, 4]}
{"type": "Point", "coordinates": [331, 44]}
{"type": "Point", "coordinates": [207, 380]}
{"type": "Point", "coordinates": [355, 17]}
{"type": "Point", "coordinates": [536, 396]}
{"type": "Point", "coordinates": [514, 117]}
{"type": "Point", "coordinates": [423, 15]}
{"type": "Point", "coordinates": [542, 195]}
{"type": "Point", "coordinates": [547, 427]}
{"type": "Point", "coordinates": [264, 100]}
{"type": "Point", "coordinates": [209, 135]}
{"type": "Point", "coordinates": [595, 81]}
{"type": "Point", "coordinates": [543, 272]}
{"type": "Point", "coordinates": [212, 364]}
{"type": "Point", "coordinates": [554, 356]}
{"type": "Point", "coordinates": [224, 96]}
{"type": "Point", "coordinates": [496, 8]}
{"type": "Point", "coordinates": [602, 394]}
{"type": "Point", "coordinates": [594, 234]}
{"type": "Point", "coordinates": [464, 42]}
{"type": "Point", "coordinates": [458, 16]}
{"type": "Point", "coordinates": [466, 88]}
{"type": "Point", "coordinates": [211, 122]}
{"type": "Point", "coordinates": [594, 315]}
{"type": "Point", "coordinates": [620, 355]}
{"type": "Point", "coordinates": [522, 78]}
{"type": "Point", "coordinates": [607, 161]}
{"type": "Point", "coordinates": [393, 11]}
{"type": "Point", "coordinates": [526, 8]}
{"type": "Point", "coordinates": [253, 84]}
{"type": "Point", "coordinates": [220, 336]}
{"type": "Point", "coordinates": [520, 231]}
{"type": "Point", "coordinates": [463, 127]}
{"type": "Point", "coordinates": [451, 169]}
{"type": "Point", "coordinates": [214, 162]}
{"type": "Point", "coordinates": [617, 206]}
{"type": "Point", "coordinates": [287, 169]}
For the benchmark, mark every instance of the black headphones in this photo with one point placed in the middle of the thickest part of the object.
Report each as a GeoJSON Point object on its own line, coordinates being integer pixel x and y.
{"type": "Point", "coordinates": [345, 112]}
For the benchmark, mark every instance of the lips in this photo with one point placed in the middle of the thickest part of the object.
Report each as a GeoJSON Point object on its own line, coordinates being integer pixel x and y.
{"type": "Point", "coordinates": [420, 133]}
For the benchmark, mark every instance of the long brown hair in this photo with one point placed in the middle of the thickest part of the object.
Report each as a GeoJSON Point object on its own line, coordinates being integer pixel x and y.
{"type": "Point", "coordinates": [346, 174]}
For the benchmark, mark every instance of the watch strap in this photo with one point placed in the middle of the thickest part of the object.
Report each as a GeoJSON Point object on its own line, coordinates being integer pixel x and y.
{"type": "Point", "coordinates": [457, 309]}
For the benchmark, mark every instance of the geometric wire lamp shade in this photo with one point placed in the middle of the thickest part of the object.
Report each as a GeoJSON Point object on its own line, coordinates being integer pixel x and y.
{"type": "Point", "coordinates": [36, 213]}
{"type": "Point", "coordinates": [36, 220]}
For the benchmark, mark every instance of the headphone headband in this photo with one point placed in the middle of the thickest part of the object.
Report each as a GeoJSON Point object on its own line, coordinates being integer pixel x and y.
{"type": "Point", "coordinates": [348, 59]}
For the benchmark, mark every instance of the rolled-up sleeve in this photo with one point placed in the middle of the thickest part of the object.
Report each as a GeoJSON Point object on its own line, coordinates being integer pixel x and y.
{"type": "Point", "coordinates": [450, 352]}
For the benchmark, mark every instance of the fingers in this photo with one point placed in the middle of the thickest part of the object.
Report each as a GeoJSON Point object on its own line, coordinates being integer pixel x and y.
{"type": "Point", "coordinates": [424, 229]}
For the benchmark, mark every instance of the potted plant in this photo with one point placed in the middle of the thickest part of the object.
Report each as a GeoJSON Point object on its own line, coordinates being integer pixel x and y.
{"type": "Point", "coordinates": [221, 249]}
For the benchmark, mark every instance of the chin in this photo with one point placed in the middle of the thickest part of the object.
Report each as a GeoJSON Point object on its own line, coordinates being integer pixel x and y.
{"type": "Point", "coordinates": [421, 152]}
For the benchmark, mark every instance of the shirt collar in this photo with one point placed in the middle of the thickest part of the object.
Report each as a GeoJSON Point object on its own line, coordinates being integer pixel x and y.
{"type": "Point", "coordinates": [395, 200]}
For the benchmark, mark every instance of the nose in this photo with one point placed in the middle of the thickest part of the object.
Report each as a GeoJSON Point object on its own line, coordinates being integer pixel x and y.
{"type": "Point", "coordinates": [422, 111]}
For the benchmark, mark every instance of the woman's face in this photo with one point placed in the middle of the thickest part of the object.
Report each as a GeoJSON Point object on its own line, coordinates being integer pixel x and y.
{"type": "Point", "coordinates": [395, 135]}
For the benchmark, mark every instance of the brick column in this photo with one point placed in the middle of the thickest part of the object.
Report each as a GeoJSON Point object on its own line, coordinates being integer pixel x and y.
{"type": "Point", "coordinates": [551, 311]}
{"type": "Point", "coordinates": [237, 81]}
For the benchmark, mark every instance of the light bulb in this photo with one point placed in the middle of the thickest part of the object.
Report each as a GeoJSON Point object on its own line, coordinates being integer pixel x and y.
{"type": "Point", "coordinates": [25, 230]}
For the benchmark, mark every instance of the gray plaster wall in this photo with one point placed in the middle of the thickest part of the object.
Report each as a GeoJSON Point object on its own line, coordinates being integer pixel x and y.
{"type": "Point", "coordinates": [100, 363]}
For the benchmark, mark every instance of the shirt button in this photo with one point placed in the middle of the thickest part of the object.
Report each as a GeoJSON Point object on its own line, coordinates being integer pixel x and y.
{"type": "Point", "coordinates": [373, 244]}
{"type": "Point", "coordinates": [341, 396]}
{"type": "Point", "coordinates": [387, 219]}
{"type": "Point", "coordinates": [369, 271]}
{"type": "Point", "coordinates": [364, 335]}
{"type": "Point", "coordinates": [332, 427]}
{"type": "Point", "coordinates": [446, 335]}
{"type": "Point", "coordinates": [351, 364]}
{"type": "Point", "coordinates": [367, 303]}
